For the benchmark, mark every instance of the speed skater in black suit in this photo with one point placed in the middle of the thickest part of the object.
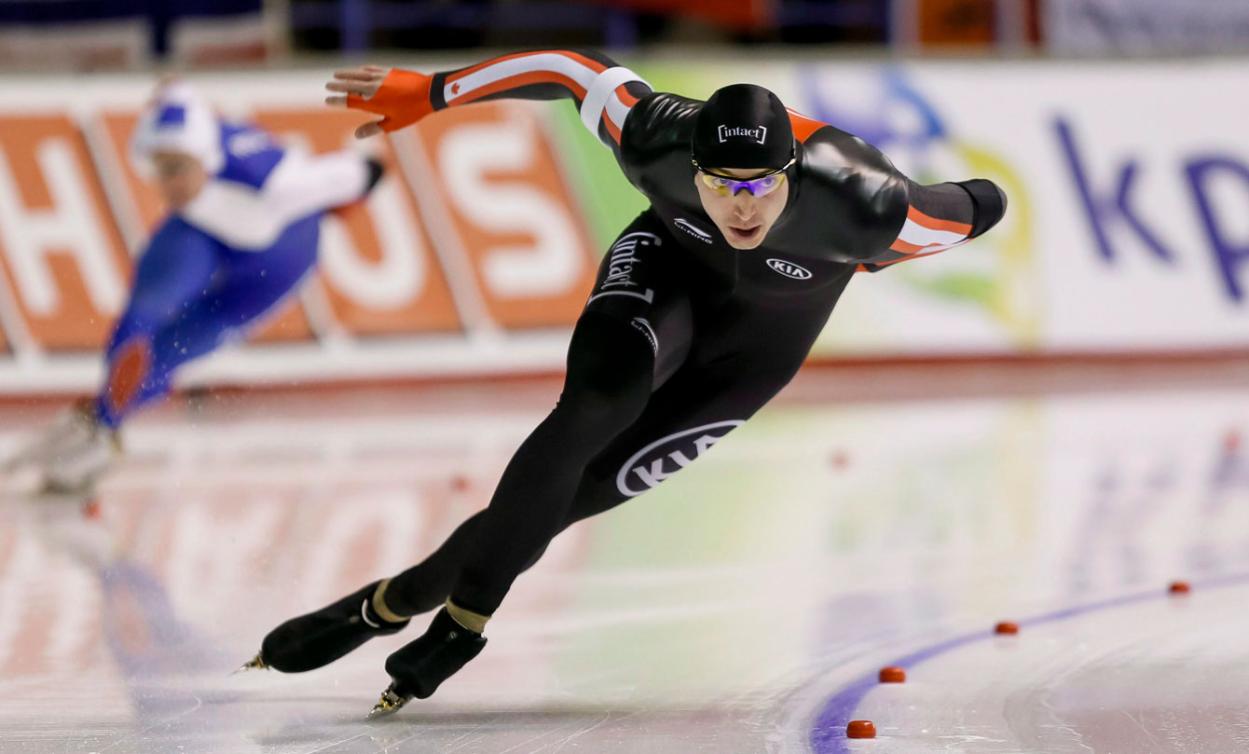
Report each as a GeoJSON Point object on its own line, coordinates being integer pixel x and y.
{"type": "Point", "coordinates": [704, 308]}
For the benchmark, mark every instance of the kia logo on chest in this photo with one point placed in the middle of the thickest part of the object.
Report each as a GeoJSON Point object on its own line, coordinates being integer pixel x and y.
{"type": "Point", "coordinates": [789, 269]}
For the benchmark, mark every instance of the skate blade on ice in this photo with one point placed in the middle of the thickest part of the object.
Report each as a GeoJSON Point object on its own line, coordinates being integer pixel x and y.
{"type": "Point", "coordinates": [255, 663]}
{"type": "Point", "coordinates": [390, 703]}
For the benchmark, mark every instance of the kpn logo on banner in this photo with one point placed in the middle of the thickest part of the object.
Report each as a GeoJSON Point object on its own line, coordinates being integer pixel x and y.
{"type": "Point", "coordinates": [1134, 209]}
{"type": "Point", "coordinates": [993, 282]}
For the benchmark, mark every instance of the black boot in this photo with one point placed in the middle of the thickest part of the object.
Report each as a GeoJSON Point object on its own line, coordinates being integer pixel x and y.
{"type": "Point", "coordinates": [419, 667]}
{"type": "Point", "coordinates": [319, 638]}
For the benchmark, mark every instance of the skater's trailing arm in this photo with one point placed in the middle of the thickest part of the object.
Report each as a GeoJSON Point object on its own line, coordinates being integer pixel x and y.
{"type": "Point", "coordinates": [603, 90]}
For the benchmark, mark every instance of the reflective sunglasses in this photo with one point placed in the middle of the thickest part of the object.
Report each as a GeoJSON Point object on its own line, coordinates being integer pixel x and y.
{"type": "Point", "coordinates": [760, 185]}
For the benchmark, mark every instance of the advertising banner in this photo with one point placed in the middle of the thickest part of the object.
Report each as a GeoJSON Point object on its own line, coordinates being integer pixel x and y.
{"type": "Point", "coordinates": [1145, 27]}
{"type": "Point", "coordinates": [1126, 229]}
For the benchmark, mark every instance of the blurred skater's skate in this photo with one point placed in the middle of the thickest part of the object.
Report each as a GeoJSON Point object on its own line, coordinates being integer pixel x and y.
{"type": "Point", "coordinates": [71, 455]}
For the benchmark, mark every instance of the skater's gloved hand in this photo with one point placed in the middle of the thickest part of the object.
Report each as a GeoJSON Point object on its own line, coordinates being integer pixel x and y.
{"type": "Point", "coordinates": [400, 97]}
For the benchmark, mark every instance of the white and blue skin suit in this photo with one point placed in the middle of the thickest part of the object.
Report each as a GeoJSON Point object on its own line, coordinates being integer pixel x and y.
{"type": "Point", "coordinates": [215, 265]}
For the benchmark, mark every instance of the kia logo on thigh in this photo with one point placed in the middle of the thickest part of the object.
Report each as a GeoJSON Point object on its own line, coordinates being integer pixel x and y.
{"type": "Point", "coordinates": [789, 269]}
{"type": "Point", "coordinates": [668, 455]}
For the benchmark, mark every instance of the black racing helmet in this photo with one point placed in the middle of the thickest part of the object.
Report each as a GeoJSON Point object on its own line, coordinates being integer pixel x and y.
{"type": "Point", "coordinates": [742, 126]}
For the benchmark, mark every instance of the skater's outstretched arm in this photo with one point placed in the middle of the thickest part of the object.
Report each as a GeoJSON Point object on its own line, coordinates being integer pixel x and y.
{"type": "Point", "coordinates": [893, 218]}
{"type": "Point", "coordinates": [314, 183]}
{"type": "Point", "coordinates": [939, 217]}
{"type": "Point", "coordinates": [603, 90]}
{"type": "Point", "coordinates": [248, 207]}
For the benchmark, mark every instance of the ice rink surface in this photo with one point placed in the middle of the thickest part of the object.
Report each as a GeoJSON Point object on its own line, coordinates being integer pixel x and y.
{"type": "Point", "coordinates": [744, 606]}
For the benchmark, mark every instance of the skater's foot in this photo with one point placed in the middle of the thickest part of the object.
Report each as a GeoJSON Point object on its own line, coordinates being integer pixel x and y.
{"type": "Point", "coordinates": [421, 666]}
{"type": "Point", "coordinates": [319, 638]}
{"type": "Point", "coordinates": [72, 454]}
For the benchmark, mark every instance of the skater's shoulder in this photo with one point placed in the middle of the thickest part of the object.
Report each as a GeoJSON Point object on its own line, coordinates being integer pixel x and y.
{"type": "Point", "coordinates": [251, 154]}
{"type": "Point", "coordinates": [845, 163]}
{"type": "Point", "coordinates": [829, 148]}
{"type": "Point", "coordinates": [658, 121]}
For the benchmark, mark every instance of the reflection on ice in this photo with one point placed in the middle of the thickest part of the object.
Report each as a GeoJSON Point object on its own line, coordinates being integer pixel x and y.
{"type": "Point", "coordinates": [719, 613]}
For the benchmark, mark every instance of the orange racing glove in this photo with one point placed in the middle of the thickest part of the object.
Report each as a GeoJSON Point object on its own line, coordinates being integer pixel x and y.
{"type": "Point", "coordinates": [401, 100]}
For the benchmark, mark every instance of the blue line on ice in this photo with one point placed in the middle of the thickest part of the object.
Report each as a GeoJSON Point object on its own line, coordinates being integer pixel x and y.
{"type": "Point", "coordinates": [828, 733]}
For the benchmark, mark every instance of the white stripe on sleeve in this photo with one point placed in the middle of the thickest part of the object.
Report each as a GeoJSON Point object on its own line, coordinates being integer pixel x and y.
{"type": "Point", "coordinates": [601, 96]}
{"type": "Point", "coordinates": [919, 235]}
{"type": "Point", "coordinates": [546, 61]}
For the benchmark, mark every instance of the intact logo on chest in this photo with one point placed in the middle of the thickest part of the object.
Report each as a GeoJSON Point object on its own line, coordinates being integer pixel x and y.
{"type": "Point", "coordinates": [789, 269]}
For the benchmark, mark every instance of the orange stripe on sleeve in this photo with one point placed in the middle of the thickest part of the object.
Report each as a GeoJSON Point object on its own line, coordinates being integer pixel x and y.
{"type": "Point", "coordinates": [933, 223]}
{"type": "Point", "coordinates": [593, 65]}
{"type": "Point", "coordinates": [903, 247]}
{"type": "Point", "coordinates": [612, 128]}
{"type": "Point", "coordinates": [590, 63]}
